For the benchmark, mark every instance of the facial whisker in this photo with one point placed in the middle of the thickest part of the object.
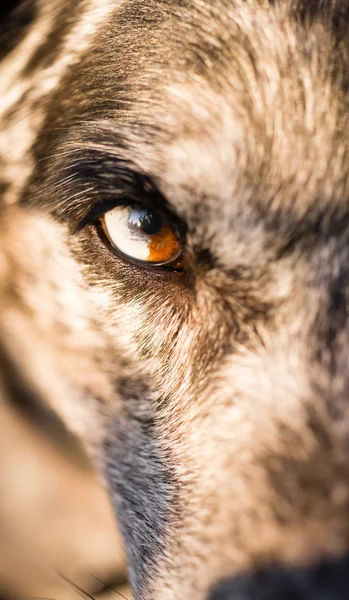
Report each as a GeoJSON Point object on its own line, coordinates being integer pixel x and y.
{"type": "Point", "coordinates": [78, 590]}
{"type": "Point", "coordinates": [109, 587]}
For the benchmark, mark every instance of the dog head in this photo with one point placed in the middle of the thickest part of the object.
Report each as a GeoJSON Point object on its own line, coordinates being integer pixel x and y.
{"type": "Point", "coordinates": [210, 379]}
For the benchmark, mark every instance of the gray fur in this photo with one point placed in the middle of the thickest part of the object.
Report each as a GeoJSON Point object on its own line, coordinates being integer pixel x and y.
{"type": "Point", "coordinates": [213, 399]}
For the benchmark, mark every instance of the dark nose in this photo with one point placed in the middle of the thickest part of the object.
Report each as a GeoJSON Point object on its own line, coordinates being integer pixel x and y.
{"type": "Point", "coordinates": [326, 581]}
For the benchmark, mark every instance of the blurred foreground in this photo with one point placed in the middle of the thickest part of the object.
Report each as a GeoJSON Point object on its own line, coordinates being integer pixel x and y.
{"type": "Point", "coordinates": [54, 518]}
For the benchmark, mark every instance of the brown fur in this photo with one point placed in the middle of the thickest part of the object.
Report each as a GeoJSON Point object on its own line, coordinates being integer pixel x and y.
{"type": "Point", "coordinates": [214, 399]}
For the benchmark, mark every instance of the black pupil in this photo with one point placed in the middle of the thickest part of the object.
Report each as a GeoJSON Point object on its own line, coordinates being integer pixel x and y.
{"type": "Point", "coordinates": [146, 220]}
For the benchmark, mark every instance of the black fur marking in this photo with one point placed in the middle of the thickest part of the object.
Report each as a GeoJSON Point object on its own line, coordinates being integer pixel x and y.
{"type": "Point", "coordinates": [15, 18]}
{"type": "Point", "coordinates": [142, 481]}
{"type": "Point", "coordinates": [328, 581]}
{"type": "Point", "coordinates": [110, 181]}
{"type": "Point", "coordinates": [48, 51]}
{"type": "Point", "coordinates": [143, 489]}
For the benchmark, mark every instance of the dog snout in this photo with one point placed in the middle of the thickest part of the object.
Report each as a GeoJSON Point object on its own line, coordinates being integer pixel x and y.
{"type": "Point", "coordinates": [328, 580]}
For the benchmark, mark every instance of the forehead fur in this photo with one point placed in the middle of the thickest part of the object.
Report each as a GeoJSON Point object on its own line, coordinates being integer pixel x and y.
{"type": "Point", "coordinates": [255, 114]}
{"type": "Point", "coordinates": [248, 126]}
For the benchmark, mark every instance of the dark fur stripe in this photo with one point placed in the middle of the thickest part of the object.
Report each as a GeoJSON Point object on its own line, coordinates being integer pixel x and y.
{"type": "Point", "coordinates": [15, 18]}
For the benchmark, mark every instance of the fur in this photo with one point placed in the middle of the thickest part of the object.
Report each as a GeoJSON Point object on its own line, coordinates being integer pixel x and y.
{"type": "Point", "coordinates": [212, 398]}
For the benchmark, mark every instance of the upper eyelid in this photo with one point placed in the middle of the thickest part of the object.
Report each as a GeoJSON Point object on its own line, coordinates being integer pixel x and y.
{"type": "Point", "coordinates": [106, 182]}
{"type": "Point", "coordinates": [97, 210]}
{"type": "Point", "coordinates": [108, 188]}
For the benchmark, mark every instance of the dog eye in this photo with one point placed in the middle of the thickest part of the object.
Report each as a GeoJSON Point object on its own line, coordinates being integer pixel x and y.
{"type": "Point", "coordinates": [142, 235]}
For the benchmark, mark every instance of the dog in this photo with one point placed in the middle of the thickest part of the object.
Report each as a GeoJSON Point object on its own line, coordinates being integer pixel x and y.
{"type": "Point", "coordinates": [174, 277]}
